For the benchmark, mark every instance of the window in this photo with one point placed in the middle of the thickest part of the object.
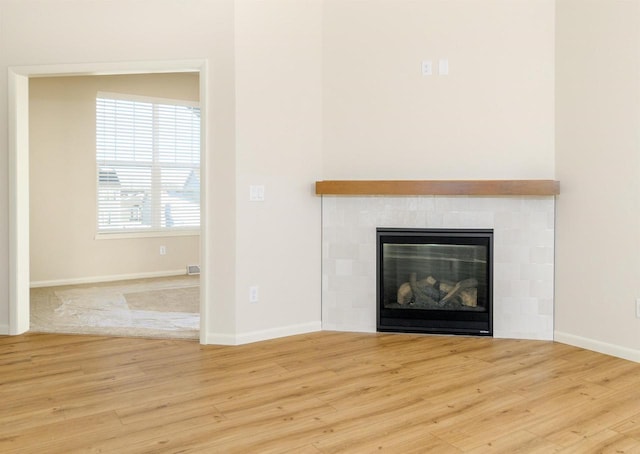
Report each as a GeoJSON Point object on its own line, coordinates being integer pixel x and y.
{"type": "Point", "coordinates": [148, 164]}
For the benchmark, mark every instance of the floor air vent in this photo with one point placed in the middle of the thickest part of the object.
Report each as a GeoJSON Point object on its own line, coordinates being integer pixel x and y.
{"type": "Point", "coordinates": [193, 269]}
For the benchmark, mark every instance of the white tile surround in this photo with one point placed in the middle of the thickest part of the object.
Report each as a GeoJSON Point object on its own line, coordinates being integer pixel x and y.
{"type": "Point", "coordinates": [523, 255]}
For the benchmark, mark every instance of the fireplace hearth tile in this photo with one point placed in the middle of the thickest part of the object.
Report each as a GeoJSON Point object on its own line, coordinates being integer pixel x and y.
{"type": "Point", "coordinates": [512, 254]}
{"type": "Point", "coordinates": [506, 271]}
{"type": "Point", "coordinates": [541, 289]}
{"type": "Point", "coordinates": [541, 255]}
{"type": "Point", "coordinates": [545, 306]}
{"type": "Point", "coordinates": [344, 267]}
{"type": "Point", "coordinates": [536, 272]}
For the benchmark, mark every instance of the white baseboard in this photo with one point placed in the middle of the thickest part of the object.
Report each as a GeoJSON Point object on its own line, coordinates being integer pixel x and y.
{"type": "Point", "coordinates": [112, 278]}
{"type": "Point", "coordinates": [597, 346]}
{"type": "Point", "coordinates": [351, 329]}
{"type": "Point", "coordinates": [4, 330]}
{"type": "Point", "coordinates": [262, 335]}
{"type": "Point", "coordinates": [218, 339]}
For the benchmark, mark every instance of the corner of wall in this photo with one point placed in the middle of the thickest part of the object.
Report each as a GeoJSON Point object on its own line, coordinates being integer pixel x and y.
{"type": "Point", "coordinates": [218, 339]}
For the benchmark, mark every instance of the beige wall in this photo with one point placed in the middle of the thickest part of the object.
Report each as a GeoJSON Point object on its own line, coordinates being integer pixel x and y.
{"type": "Point", "coordinates": [63, 185]}
{"type": "Point", "coordinates": [598, 164]}
{"type": "Point", "coordinates": [279, 126]}
{"type": "Point", "coordinates": [491, 117]}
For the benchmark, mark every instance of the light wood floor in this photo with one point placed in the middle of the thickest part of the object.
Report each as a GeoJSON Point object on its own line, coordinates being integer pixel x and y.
{"type": "Point", "coordinates": [319, 393]}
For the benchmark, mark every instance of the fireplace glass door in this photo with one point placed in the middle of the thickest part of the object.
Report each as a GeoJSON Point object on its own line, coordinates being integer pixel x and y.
{"type": "Point", "coordinates": [435, 281]}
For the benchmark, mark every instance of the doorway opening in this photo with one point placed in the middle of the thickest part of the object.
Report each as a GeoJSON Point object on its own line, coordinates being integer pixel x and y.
{"type": "Point", "coordinates": [19, 151]}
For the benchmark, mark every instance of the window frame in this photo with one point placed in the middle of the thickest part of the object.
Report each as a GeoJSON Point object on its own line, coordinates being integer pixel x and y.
{"type": "Point", "coordinates": [154, 165]}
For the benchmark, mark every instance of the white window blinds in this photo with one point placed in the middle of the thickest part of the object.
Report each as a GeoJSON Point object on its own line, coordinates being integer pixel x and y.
{"type": "Point", "coordinates": [148, 164]}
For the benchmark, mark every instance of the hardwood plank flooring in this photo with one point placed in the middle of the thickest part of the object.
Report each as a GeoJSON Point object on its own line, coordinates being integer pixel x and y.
{"type": "Point", "coordinates": [318, 393]}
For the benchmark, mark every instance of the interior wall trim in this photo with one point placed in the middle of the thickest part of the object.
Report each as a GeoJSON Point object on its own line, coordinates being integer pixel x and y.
{"type": "Point", "coordinates": [598, 346]}
{"type": "Point", "coordinates": [110, 278]}
{"type": "Point", "coordinates": [281, 331]}
{"type": "Point", "coordinates": [262, 335]}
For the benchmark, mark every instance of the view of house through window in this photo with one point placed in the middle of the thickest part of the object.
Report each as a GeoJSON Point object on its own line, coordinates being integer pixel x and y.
{"type": "Point", "coordinates": [148, 164]}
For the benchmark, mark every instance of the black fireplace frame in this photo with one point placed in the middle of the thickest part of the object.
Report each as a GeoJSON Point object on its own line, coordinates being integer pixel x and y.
{"type": "Point", "coordinates": [434, 321]}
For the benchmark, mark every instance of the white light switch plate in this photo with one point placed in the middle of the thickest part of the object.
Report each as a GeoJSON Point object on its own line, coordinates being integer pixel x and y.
{"type": "Point", "coordinates": [443, 67]}
{"type": "Point", "coordinates": [253, 294]}
{"type": "Point", "coordinates": [256, 193]}
{"type": "Point", "coordinates": [427, 68]}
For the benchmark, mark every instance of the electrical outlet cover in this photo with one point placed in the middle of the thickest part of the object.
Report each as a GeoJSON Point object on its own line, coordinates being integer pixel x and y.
{"type": "Point", "coordinates": [253, 294]}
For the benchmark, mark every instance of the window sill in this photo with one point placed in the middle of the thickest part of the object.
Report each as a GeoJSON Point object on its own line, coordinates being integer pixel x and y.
{"type": "Point", "coordinates": [128, 235]}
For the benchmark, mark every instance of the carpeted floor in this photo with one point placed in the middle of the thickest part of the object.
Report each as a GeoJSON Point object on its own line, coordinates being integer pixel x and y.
{"type": "Point", "coordinates": [159, 307]}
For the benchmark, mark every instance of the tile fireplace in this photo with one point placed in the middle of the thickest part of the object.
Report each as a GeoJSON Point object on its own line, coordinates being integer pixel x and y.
{"type": "Point", "coordinates": [523, 255]}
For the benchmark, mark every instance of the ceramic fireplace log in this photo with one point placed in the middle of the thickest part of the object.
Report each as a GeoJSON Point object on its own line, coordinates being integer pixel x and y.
{"type": "Point", "coordinates": [422, 293]}
{"type": "Point", "coordinates": [430, 291]}
{"type": "Point", "coordinates": [405, 295]}
{"type": "Point", "coordinates": [459, 287]}
{"type": "Point", "coordinates": [469, 297]}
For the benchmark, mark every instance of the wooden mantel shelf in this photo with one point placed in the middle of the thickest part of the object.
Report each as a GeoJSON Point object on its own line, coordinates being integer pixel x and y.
{"type": "Point", "coordinates": [439, 187]}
